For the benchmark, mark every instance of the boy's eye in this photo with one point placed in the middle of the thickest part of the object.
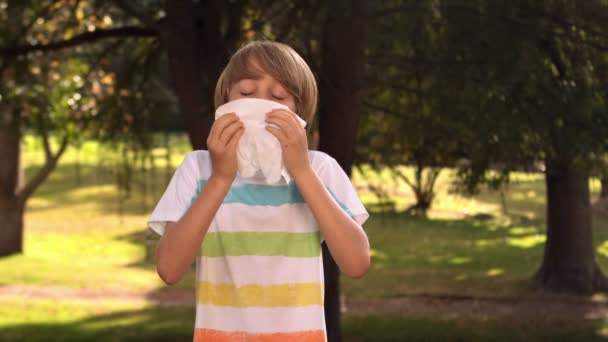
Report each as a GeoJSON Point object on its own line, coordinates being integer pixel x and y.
{"type": "Point", "coordinates": [246, 93]}
{"type": "Point", "coordinates": [278, 97]}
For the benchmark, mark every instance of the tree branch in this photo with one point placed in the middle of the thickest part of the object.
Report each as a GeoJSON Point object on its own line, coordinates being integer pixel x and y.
{"type": "Point", "coordinates": [49, 164]}
{"type": "Point", "coordinates": [409, 62]}
{"type": "Point", "coordinates": [48, 154]}
{"type": "Point", "coordinates": [380, 14]}
{"type": "Point", "coordinates": [80, 39]}
{"type": "Point", "coordinates": [138, 12]}
{"type": "Point", "coordinates": [383, 109]}
{"type": "Point", "coordinates": [376, 82]}
{"type": "Point", "coordinates": [406, 179]}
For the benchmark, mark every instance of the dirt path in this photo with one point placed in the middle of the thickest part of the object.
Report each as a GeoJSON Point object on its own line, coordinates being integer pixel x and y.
{"type": "Point", "coordinates": [174, 296]}
{"type": "Point", "coordinates": [444, 307]}
{"type": "Point", "coordinates": [469, 308]}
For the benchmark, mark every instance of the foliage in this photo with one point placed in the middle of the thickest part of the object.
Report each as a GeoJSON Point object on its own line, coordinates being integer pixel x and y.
{"type": "Point", "coordinates": [504, 85]}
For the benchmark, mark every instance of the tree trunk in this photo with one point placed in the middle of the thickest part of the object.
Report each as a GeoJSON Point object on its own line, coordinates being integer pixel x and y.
{"type": "Point", "coordinates": [423, 186]}
{"type": "Point", "coordinates": [200, 36]}
{"type": "Point", "coordinates": [569, 261]}
{"type": "Point", "coordinates": [11, 207]}
{"type": "Point", "coordinates": [341, 91]}
{"type": "Point", "coordinates": [604, 189]}
{"type": "Point", "coordinates": [11, 227]}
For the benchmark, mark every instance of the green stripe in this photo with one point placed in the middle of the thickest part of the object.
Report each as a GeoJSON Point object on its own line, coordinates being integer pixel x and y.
{"type": "Point", "coordinates": [261, 243]}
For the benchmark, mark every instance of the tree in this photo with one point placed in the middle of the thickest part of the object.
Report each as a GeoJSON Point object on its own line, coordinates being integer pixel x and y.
{"type": "Point", "coordinates": [199, 38]}
{"type": "Point", "coordinates": [533, 69]}
{"type": "Point", "coordinates": [31, 96]}
{"type": "Point", "coordinates": [190, 33]}
{"type": "Point", "coordinates": [341, 80]}
{"type": "Point", "coordinates": [604, 188]}
{"type": "Point", "coordinates": [408, 118]}
{"type": "Point", "coordinates": [46, 90]}
{"type": "Point", "coordinates": [517, 83]}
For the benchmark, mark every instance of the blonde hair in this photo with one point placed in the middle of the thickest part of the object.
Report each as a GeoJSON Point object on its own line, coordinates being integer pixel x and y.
{"type": "Point", "coordinates": [279, 61]}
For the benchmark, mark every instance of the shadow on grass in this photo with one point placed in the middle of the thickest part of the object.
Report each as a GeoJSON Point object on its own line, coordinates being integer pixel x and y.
{"type": "Point", "coordinates": [412, 255]}
{"type": "Point", "coordinates": [176, 324]}
{"type": "Point", "coordinates": [396, 328]}
{"type": "Point", "coordinates": [150, 324]}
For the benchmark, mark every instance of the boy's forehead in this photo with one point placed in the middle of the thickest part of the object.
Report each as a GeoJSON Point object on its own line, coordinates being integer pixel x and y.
{"type": "Point", "coordinates": [250, 75]}
{"type": "Point", "coordinates": [253, 72]}
{"type": "Point", "coordinates": [253, 69]}
{"type": "Point", "coordinates": [250, 68]}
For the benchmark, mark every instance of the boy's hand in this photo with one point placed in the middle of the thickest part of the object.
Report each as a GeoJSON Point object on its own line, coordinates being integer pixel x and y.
{"type": "Point", "coordinates": [222, 143]}
{"type": "Point", "coordinates": [292, 137]}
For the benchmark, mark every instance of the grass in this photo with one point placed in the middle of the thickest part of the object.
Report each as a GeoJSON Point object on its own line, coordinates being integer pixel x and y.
{"type": "Point", "coordinates": [375, 328]}
{"type": "Point", "coordinates": [82, 232]}
{"type": "Point", "coordinates": [451, 255]}
{"type": "Point", "coordinates": [78, 236]}
{"type": "Point", "coordinates": [447, 257]}
{"type": "Point", "coordinates": [456, 257]}
{"type": "Point", "coordinates": [49, 320]}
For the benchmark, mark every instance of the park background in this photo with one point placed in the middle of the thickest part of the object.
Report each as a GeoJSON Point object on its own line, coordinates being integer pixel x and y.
{"type": "Point", "coordinates": [475, 132]}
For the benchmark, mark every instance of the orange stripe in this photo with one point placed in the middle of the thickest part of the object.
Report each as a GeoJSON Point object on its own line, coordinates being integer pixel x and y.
{"type": "Point", "coordinates": [210, 335]}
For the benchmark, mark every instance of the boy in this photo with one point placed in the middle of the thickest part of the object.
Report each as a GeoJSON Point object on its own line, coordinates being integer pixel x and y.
{"type": "Point", "coordinates": [257, 248]}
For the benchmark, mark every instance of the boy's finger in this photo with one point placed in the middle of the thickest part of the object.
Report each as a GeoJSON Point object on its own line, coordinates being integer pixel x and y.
{"type": "Point", "coordinates": [229, 131]}
{"type": "Point", "coordinates": [221, 123]}
{"type": "Point", "coordinates": [291, 116]}
{"type": "Point", "coordinates": [235, 138]}
{"type": "Point", "coordinates": [282, 123]}
{"type": "Point", "coordinates": [279, 134]}
{"type": "Point", "coordinates": [229, 134]}
{"type": "Point", "coordinates": [288, 117]}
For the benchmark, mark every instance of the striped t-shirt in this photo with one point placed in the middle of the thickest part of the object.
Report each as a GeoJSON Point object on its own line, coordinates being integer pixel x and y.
{"type": "Point", "coordinates": [260, 272]}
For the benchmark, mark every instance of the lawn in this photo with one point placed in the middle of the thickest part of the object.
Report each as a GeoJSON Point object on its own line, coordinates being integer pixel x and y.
{"type": "Point", "coordinates": [48, 320]}
{"type": "Point", "coordinates": [82, 232]}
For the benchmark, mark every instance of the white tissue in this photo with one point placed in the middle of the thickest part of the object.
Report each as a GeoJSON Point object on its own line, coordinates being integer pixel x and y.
{"type": "Point", "coordinates": [259, 152]}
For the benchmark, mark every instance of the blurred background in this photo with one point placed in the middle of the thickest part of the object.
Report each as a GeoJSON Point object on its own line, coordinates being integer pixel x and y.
{"type": "Point", "coordinates": [475, 132]}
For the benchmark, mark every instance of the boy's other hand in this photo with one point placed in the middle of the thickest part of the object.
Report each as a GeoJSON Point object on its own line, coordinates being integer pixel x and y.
{"type": "Point", "coordinates": [222, 143]}
{"type": "Point", "coordinates": [292, 137]}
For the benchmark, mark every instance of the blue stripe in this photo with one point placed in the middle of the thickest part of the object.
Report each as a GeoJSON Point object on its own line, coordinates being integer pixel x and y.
{"type": "Point", "coordinates": [261, 194]}
{"type": "Point", "coordinates": [199, 188]}
{"type": "Point", "coordinates": [342, 205]}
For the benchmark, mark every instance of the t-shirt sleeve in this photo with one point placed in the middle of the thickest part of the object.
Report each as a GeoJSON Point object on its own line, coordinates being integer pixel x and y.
{"type": "Point", "coordinates": [177, 197]}
{"type": "Point", "coordinates": [341, 189]}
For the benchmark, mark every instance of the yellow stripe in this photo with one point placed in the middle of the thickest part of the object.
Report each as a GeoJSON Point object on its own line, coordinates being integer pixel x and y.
{"type": "Point", "coordinates": [298, 294]}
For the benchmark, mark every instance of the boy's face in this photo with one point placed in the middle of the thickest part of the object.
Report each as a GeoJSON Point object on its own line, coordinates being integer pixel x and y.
{"type": "Point", "coordinates": [263, 86]}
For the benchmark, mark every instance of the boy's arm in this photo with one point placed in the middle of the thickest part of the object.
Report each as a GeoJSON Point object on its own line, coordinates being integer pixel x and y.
{"type": "Point", "coordinates": [180, 244]}
{"type": "Point", "coordinates": [345, 238]}
{"type": "Point", "coordinates": [181, 241]}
